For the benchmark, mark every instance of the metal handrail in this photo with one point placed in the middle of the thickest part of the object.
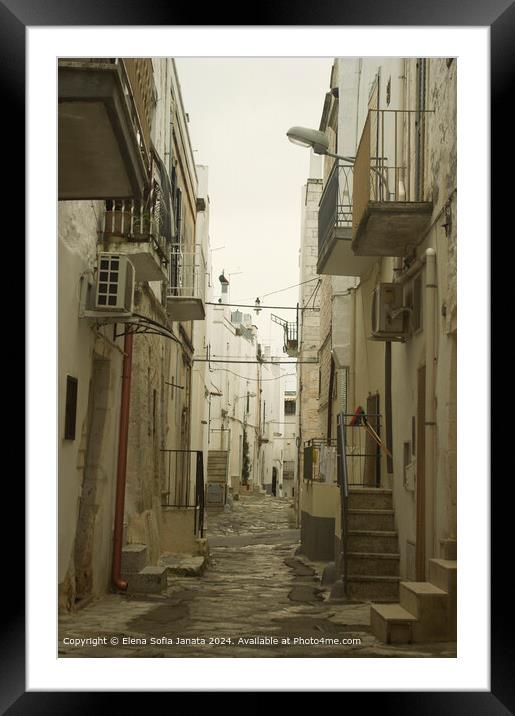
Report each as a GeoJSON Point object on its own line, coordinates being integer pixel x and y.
{"type": "Point", "coordinates": [178, 480]}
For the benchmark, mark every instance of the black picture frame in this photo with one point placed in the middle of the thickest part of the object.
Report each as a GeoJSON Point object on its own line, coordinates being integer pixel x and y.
{"type": "Point", "coordinates": [499, 15]}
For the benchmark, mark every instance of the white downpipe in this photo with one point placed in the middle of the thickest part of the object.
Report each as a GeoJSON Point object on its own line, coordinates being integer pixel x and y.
{"type": "Point", "coordinates": [430, 418]}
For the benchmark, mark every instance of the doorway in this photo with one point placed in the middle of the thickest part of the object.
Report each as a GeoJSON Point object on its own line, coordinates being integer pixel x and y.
{"type": "Point", "coordinates": [274, 481]}
{"type": "Point", "coordinates": [372, 466]}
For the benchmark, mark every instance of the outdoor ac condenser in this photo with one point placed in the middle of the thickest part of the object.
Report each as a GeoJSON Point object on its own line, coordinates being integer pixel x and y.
{"type": "Point", "coordinates": [115, 283]}
{"type": "Point", "coordinates": [389, 316]}
{"type": "Point", "coordinates": [111, 294]}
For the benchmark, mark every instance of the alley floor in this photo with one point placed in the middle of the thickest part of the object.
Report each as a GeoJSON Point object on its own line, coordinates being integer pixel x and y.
{"type": "Point", "coordinates": [256, 598]}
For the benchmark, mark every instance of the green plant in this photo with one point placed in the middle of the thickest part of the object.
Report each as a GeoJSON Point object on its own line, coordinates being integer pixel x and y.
{"type": "Point", "coordinates": [245, 468]}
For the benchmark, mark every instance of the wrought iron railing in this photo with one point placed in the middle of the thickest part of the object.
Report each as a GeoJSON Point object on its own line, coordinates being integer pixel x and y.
{"type": "Point", "coordinates": [362, 453]}
{"type": "Point", "coordinates": [335, 206]}
{"type": "Point", "coordinates": [291, 330]}
{"type": "Point", "coordinates": [137, 221]}
{"type": "Point", "coordinates": [187, 272]}
{"type": "Point", "coordinates": [139, 75]}
{"type": "Point", "coordinates": [181, 492]}
{"type": "Point", "coordinates": [389, 161]}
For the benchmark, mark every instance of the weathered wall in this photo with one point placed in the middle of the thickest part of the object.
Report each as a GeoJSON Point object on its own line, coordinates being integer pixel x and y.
{"type": "Point", "coordinates": [80, 344]}
{"type": "Point", "coordinates": [356, 78]}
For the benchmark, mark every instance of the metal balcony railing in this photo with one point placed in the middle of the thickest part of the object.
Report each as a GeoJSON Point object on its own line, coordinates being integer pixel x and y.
{"type": "Point", "coordinates": [389, 161]}
{"type": "Point", "coordinates": [139, 75]}
{"type": "Point", "coordinates": [335, 206]}
{"type": "Point", "coordinates": [187, 272]}
{"type": "Point", "coordinates": [132, 220]}
{"type": "Point", "coordinates": [362, 454]}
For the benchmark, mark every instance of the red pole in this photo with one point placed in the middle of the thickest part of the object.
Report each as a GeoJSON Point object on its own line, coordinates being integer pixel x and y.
{"type": "Point", "coordinates": [121, 474]}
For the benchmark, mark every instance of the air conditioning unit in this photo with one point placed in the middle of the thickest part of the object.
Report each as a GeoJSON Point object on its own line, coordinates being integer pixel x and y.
{"type": "Point", "coordinates": [389, 315]}
{"type": "Point", "coordinates": [111, 294]}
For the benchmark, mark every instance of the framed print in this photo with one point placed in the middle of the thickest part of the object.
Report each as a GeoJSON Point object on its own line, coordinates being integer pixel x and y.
{"type": "Point", "coordinates": [266, 421]}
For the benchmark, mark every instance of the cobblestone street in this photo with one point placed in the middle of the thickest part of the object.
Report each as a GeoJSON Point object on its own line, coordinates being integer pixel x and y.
{"type": "Point", "coordinates": [253, 596]}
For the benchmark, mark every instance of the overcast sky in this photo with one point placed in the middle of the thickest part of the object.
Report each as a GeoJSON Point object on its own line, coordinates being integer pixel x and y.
{"type": "Point", "coordinates": [240, 110]}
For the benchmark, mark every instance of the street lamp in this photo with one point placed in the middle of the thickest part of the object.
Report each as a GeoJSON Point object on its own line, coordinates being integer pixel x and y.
{"type": "Point", "coordinates": [315, 140]}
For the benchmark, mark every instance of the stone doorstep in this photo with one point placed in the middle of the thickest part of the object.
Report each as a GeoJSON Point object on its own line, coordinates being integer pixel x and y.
{"type": "Point", "coordinates": [134, 558]}
{"type": "Point", "coordinates": [150, 580]}
{"type": "Point", "coordinates": [391, 623]}
{"type": "Point", "coordinates": [443, 574]}
{"type": "Point", "coordinates": [422, 598]}
{"type": "Point", "coordinates": [184, 565]}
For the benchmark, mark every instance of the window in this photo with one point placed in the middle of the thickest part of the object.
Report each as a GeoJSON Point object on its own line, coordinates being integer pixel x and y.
{"type": "Point", "coordinates": [289, 407]}
{"type": "Point", "coordinates": [71, 408]}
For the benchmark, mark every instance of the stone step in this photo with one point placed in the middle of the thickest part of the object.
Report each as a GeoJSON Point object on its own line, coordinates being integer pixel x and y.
{"type": "Point", "coordinates": [443, 574]}
{"type": "Point", "coordinates": [184, 565]}
{"type": "Point", "coordinates": [150, 580]}
{"type": "Point", "coordinates": [378, 541]}
{"type": "Point", "coordinates": [391, 623]}
{"type": "Point", "coordinates": [422, 598]}
{"type": "Point", "coordinates": [368, 586]}
{"type": "Point", "coordinates": [370, 498]}
{"type": "Point", "coordinates": [432, 608]}
{"type": "Point", "coordinates": [375, 564]}
{"type": "Point", "coordinates": [360, 519]}
{"type": "Point", "coordinates": [134, 558]}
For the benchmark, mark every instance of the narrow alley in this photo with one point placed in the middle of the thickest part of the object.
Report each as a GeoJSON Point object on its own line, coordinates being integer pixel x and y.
{"type": "Point", "coordinates": [254, 598]}
{"type": "Point", "coordinates": [258, 358]}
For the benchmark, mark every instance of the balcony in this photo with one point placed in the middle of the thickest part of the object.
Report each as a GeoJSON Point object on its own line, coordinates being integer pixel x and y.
{"type": "Point", "coordinates": [291, 343]}
{"type": "Point", "coordinates": [185, 299]}
{"type": "Point", "coordinates": [137, 228]}
{"type": "Point", "coordinates": [335, 254]}
{"type": "Point", "coordinates": [105, 109]}
{"type": "Point", "coordinates": [389, 213]}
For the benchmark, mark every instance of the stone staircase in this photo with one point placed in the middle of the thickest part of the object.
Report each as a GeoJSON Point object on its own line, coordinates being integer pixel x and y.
{"type": "Point", "coordinates": [426, 610]}
{"type": "Point", "coordinates": [372, 546]}
{"type": "Point", "coordinates": [217, 465]}
{"type": "Point", "coordinates": [142, 578]}
{"type": "Point", "coordinates": [217, 479]}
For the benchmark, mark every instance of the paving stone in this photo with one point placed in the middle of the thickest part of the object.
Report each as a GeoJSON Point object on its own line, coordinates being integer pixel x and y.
{"type": "Point", "coordinates": [253, 586]}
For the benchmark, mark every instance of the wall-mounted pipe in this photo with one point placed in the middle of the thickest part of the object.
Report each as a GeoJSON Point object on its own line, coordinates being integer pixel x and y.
{"type": "Point", "coordinates": [121, 475]}
{"type": "Point", "coordinates": [430, 417]}
{"type": "Point", "coordinates": [415, 268]}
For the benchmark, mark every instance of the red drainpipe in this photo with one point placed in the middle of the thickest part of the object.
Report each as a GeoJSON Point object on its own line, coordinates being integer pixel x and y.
{"type": "Point", "coordinates": [121, 475]}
